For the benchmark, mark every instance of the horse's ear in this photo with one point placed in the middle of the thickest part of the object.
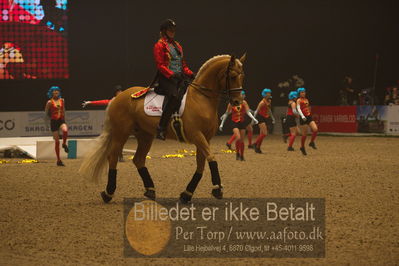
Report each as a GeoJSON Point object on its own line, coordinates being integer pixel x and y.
{"type": "Point", "coordinates": [232, 61]}
{"type": "Point", "coordinates": [243, 57]}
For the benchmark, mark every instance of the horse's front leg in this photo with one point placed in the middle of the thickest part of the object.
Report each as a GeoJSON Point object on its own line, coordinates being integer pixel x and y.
{"type": "Point", "coordinates": [203, 147]}
{"type": "Point", "coordinates": [186, 196]}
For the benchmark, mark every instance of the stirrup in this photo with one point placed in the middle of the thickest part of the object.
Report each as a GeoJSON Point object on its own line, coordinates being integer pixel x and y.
{"type": "Point", "coordinates": [178, 128]}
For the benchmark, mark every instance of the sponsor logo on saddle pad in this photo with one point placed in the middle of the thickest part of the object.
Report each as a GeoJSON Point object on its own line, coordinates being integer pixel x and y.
{"type": "Point", "coordinates": [153, 108]}
{"type": "Point", "coordinates": [153, 104]}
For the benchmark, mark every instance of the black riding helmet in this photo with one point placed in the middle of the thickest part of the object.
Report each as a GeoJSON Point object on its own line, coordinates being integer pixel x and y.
{"type": "Point", "coordinates": [167, 24]}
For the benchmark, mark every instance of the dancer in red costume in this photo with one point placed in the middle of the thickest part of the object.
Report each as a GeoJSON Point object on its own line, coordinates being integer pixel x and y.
{"type": "Point", "coordinates": [55, 108]}
{"type": "Point", "coordinates": [249, 132]}
{"type": "Point", "coordinates": [265, 117]}
{"type": "Point", "coordinates": [239, 124]}
{"type": "Point", "coordinates": [305, 121]}
{"type": "Point", "coordinates": [290, 121]}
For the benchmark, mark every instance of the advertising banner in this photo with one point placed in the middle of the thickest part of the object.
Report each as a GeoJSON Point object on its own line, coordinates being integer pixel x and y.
{"type": "Point", "coordinates": [33, 124]}
{"type": "Point", "coordinates": [84, 123]}
{"type": "Point", "coordinates": [335, 118]}
{"type": "Point", "coordinates": [9, 124]}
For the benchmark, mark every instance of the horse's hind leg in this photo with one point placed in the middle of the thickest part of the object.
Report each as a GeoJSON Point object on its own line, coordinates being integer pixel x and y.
{"type": "Point", "coordinates": [117, 143]}
{"type": "Point", "coordinates": [144, 142]}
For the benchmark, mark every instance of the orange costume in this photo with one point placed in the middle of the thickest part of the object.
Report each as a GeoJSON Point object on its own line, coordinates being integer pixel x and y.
{"type": "Point", "coordinates": [304, 105]}
{"type": "Point", "coordinates": [238, 113]}
{"type": "Point", "coordinates": [265, 109]}
{"type": "Point", "coordinates": [57, 109]}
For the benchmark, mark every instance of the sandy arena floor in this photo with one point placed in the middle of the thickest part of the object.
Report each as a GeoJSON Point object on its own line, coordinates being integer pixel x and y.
{"type": "Point", "coordinates": [50, 216]}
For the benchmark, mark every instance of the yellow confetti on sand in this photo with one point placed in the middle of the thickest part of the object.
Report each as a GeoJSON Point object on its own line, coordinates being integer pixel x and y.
{"type": "Point", "coordinates": [228, 151]}
{"type": "Point", "coordinates": [186, 152]}
{"type": "Point", "coordinates": [4, 161]}
{"type": "Point", "coordinates": [173, 156]}
{"type": "Point", "coordinates": [131, 157]}
{"type": "Point", "coordinates": [28, 161]}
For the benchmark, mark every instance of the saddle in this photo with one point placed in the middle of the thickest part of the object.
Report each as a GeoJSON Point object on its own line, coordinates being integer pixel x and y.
{"type": "Point", "coordinates": [154, 103]}
{"type": "Point", "coordinates": [156, 97]}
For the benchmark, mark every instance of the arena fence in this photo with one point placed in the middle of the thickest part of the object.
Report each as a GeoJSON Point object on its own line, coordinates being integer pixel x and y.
{"type": "Point", "coordinates": [349, 120]}
{"type": "Point", "coordinates": [34, 124]}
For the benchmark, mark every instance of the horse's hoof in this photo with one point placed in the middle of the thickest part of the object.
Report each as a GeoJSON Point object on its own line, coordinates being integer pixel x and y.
{"type": "Point", "coordinates": [105, 197]}
{"type": "Point", "coordinates": [217, 193]}
{"type": "Point", "coordinates": [149, 193]}
{"type": "Point", "coordinates": [185, 198]}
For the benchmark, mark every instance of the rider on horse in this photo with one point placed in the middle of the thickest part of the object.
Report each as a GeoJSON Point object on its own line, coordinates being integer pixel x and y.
{"type": "Point", "coordinates": [172, 69]}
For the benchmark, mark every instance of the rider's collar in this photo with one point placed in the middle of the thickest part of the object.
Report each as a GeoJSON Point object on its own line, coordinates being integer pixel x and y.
{"type": "Point", "coordinates": [167, 39]}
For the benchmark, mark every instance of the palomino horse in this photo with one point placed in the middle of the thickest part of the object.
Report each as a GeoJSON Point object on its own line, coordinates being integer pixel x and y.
{"type": "Point", "coordinates": [124, 116]}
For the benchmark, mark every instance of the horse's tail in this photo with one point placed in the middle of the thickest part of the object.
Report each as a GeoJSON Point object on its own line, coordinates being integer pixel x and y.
{"type": "Point", "coordinates": [94, 164]}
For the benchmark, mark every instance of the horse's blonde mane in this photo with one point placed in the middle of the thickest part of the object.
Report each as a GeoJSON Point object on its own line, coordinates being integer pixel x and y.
{"type": "Point", "coordinates": [211, 60]}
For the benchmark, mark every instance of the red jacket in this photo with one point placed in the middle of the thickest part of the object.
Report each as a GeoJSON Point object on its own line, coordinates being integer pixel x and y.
{"type": "Point", "coordinates": [162, 58]}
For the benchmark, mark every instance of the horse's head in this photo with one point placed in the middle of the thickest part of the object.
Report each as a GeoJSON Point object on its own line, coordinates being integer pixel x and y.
{"type": "Point", "coordinates": [222, 74]}
{"type": "Point", "coordinates": [232, 79]}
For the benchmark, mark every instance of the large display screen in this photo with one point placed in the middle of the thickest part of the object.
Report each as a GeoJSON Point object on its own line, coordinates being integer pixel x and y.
{"type": "Point", "coordinates": [33, 39]}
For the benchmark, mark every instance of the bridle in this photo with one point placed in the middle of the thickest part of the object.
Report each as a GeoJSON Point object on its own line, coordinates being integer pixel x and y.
{"type": "Point", "coordinates": [227, 89]}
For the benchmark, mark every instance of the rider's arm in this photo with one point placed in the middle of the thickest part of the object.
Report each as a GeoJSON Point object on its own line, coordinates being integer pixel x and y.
{"type": "Point", "coordinates": [186, 70]}
{"type": "Point", "coordinates": [160, 61]}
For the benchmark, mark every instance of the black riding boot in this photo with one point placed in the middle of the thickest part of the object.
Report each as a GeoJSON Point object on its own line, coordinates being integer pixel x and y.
{"type": "Point", "coordinates": [165, 118]}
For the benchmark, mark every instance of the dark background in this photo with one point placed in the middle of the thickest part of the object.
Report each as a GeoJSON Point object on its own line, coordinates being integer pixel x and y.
{"type": "Point", "coordinates": [110, 43]}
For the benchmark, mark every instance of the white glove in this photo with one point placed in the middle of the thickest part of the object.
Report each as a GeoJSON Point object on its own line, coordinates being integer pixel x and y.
{"type": "Point", "coordinates": [221, 127]}
{"type": "Point", "coordinates": [85, 103]}
{"type": "Point", "coordinates": [224, 116]}
{"type": "Point", "coordinates": [273, 121]}
{"type": "Point", "coordinates": [254, 120]}
{"type": "Point", "coordinates": [303, 119]}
